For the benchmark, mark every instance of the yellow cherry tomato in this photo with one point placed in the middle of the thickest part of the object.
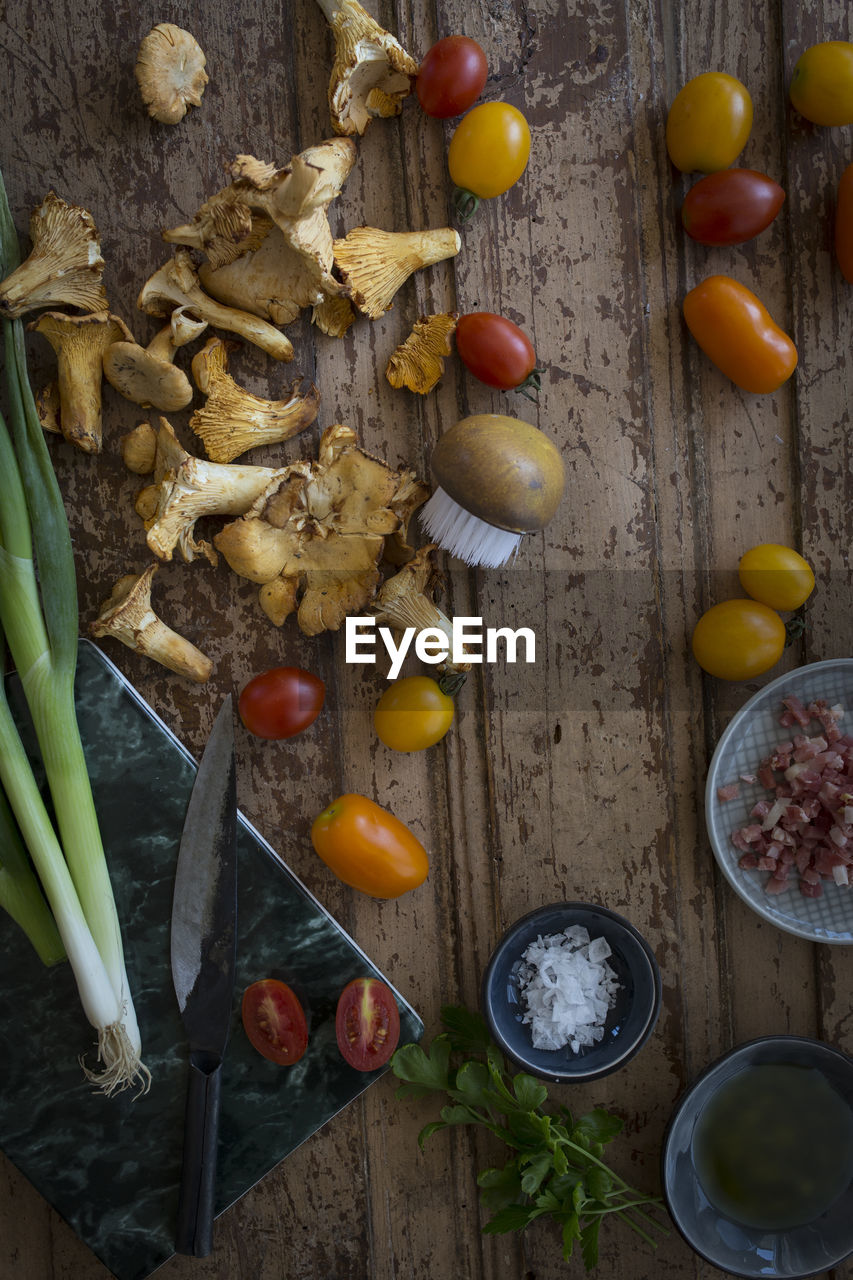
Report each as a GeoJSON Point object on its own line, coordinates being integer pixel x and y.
{"type": "Point", "coordinates": [777, 576]}
{"type": "Point", "coordinates": [489, 151]}
{"type": "Point", "coordinates": [412, 714]}
{"type": "Point", "coordinates": [738, 639]}
{"type": "Point", "coordinates": [708, 123]}
{"type": "Point", "coordinates": [822, 83]}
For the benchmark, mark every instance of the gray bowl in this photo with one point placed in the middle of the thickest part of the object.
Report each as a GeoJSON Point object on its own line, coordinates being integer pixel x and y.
{"type": "Point", "coordinates": [629, 1023]}
{"type": "Point", "coordinates": [735, 1248]}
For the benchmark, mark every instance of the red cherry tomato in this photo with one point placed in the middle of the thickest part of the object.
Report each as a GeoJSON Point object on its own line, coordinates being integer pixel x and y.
{"type": "Point", "coordinates": [452, 77]}
{"type": "Point", "coordinates": [281, 703]}
{"type": "Point", "coordinates": [367, 1024]}
{"type": "Point", "coordinates": [496, 351]}
{"type": "Point", "coordinates": [274, 1021]}
{"type": "Point", "coordinates": [731, 206]}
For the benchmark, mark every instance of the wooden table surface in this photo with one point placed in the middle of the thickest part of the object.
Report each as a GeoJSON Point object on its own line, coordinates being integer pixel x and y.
{"type": "Point", "coordinates": [582, 776]}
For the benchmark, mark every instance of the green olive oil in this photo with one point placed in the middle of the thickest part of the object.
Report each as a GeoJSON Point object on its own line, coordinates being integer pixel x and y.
{"type": "Point", "coordinates": [773, 1148]}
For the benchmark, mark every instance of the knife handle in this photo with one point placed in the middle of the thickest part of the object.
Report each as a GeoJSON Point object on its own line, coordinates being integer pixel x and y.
{"type": "Point", "coordinates": [194, 1231]}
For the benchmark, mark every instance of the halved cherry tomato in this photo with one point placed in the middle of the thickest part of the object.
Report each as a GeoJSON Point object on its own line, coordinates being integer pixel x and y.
{"type": "Point", "coordinates": [708, 123]}
{"type": "Point", "coordinates": [274, 1021]}
{"type": "Point", "coordinates": [731, 206]}
{"type": "Point", "coordinates": [496, 351]}
{"type": "Point", "coordinates": [822, 83]}
{"type": "Point", "coordinates": [777, 576]}
{"type": "Point", "coordinates": [488, 153]}
{"type": "Point", "coordinates": [367, 1023]}
{"type": "Point", "coordinates": [844, 224]}
{"type": "Point", "coordinates": [412, 714]}
{"type": "Point", "coordinates": [738, 639]}
{"type": "Point", "coordinates": [368, 848]}
{"type": "Point", "coordinates": [736, 331]}
{"type": "Point", "coordinates": [282, 702]}
{"type": "Point", "coordinates": [452, 77]}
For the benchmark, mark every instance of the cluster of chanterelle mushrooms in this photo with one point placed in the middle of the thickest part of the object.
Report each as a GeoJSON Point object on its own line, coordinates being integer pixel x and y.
{"type": "Point", "coordinates": [311, 534]}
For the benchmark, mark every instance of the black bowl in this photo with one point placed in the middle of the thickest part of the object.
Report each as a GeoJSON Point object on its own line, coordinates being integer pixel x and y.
{"type": "Point", "coordinates": [737, 1249]}
{"type": "Point", "coordinates": [629, 1023]}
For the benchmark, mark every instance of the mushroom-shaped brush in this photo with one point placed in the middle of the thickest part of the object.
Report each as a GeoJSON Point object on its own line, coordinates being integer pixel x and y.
{"type": "Point", "coordinates": [498, 478]}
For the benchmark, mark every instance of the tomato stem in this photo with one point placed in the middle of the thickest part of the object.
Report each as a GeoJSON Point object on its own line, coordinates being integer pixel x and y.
{"type": "Point", "coordinates": [794, 629]}
{"type": "Point", "coordinates": [465, 203]}
{"type": "Point", "coordinates": [531, 386]}
{"type": "Point", "coordinates": [451, 682]}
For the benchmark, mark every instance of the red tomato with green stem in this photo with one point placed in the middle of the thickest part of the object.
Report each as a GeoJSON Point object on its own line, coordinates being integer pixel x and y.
{"type": "Point", "coordinates": [731, 206]}
{"type": "Point", "coordinates": [497, 352]}
{"type": "Point", "coordinates": [274, 1021]}
{"type": "Point", "coordinates": [281, 703]}
{"type": "Point", "coordinates": [452, 77]}
{"type": "Point", "coordinates": [367, 1024]}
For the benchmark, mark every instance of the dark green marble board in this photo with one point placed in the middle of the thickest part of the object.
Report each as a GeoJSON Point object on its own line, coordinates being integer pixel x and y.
{"type": "Point", "coordinates": [110, 1167]}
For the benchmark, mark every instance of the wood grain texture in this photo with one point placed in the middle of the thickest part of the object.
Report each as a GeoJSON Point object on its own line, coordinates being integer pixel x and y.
{"type": "Point", "coordinates": [582, 776]}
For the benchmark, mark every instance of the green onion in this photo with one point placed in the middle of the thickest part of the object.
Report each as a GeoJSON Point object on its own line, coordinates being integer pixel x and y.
{"type": "Point", "coordinates": [20, 894]}
{"type": "Point", "coordinates": [39, 615]}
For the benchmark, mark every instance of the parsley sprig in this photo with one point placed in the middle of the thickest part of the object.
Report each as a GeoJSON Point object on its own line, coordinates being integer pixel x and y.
{"type": "Point", "coordinates": [556, 1169]}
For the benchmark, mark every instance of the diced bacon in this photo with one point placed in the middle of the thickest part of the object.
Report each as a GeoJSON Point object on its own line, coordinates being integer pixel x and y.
{"type": "Point", "coordinates": [729, 792]}
{"type": "Point", "coordinates": [797, 710]}
{"type": "Point", "coordinates": [803, 826]}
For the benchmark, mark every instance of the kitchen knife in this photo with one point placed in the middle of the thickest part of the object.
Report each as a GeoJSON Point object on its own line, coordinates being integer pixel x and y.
{"type": "Point", "coordinates": [204, 938]}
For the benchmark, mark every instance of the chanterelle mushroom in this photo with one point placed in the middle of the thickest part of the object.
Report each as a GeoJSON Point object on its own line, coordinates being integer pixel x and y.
{"type": "Point", "coordinates": [139, 449]}
{"type": "Point", "coordinates": [80, 343]}
{"type": "Point", "coordinates": [372, 72]}
{"type": "Point", "coordinates": [314, 539]}
{"type": "Point", "coordinates": [418, 363]}
{"type": "Point", "coordinates": [186, 488]}
{"type": "Point", "coordinates": [148, 375]}
{"type": "Point", "coordinates": [267, 238]}
{"type": "Point", "coordinates": [127, 616]}
{"type": "Point", "coordinates": [170, 72]}
{"type": "Point", "coordinates": [234, 420]}
{"type": "Point", "coordinates": [176, 285]}
{"type": "Point", "coordinates": [65, 264]}
{"type": "Point", "coordinates": [376, 263]}
{"type": "Point", "coordinates": [406, 600]}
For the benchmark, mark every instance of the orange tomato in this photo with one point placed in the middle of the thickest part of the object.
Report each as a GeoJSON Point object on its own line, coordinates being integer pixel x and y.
{"type": "Point", "coordinates": [844, 224]}
{"type": "Point", "coordinates": [735, 330]}
{"type": "Point", "coordinates": [822, 83]}
{"type": "Point", "coordinates": [708, 123]}
{"type": "Point", "coordinates": [776, 575]}
{"type": "Point", "coordinates": [368, 848]}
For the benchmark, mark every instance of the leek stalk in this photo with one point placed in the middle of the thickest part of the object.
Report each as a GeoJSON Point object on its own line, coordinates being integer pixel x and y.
{"type": "Point", "coordinates": [38, 613]}
{"type": "Point", "coordinates": [20, 894]}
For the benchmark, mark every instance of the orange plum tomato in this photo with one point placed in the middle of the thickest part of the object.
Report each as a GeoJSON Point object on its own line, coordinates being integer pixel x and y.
{"type": "Point", "coordinates": [844, 224]}
{"type": "Point", "coordinates": [496, 351]}
{"type": "Point", "coordinates": [738, 639]}
{"type": "Point", "coordinates": [367, 1023]}
{"type": "Point", "coordinates": [777, 576]}
{"type": "Point", "coordinates": [489, 150]}
{"type": "Point", "coordinates": [822, 83]}
{"type": "Point", "coordinates": [736, 332]}
{"type": "Point", "coordinates": [368, 848]}
{"type": "Point", "coordinates": [281, 703]}
{"type": "Point", "coordinates": [708, 123]}
{"type": "Point", "coordinates": [731, 206]}
{"type": "Point", "coordinates": [452, 77]}
{"type": "Point", "coordinates": [274, 1021]}
{"type": "Point", "coordinates": [413, 713]}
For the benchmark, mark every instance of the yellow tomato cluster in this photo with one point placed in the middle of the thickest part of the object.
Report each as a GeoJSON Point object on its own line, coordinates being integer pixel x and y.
{"type": "Point", "coordinates": [740, 639]}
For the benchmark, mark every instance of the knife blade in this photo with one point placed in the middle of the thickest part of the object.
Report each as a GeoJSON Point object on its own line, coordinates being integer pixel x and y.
{"type": "Point", "coordinates": [203, 953]}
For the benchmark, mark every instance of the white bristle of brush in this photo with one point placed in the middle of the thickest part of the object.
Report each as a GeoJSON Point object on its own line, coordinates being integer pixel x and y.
{"type": "Point", "coordinates": [467, 536]}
